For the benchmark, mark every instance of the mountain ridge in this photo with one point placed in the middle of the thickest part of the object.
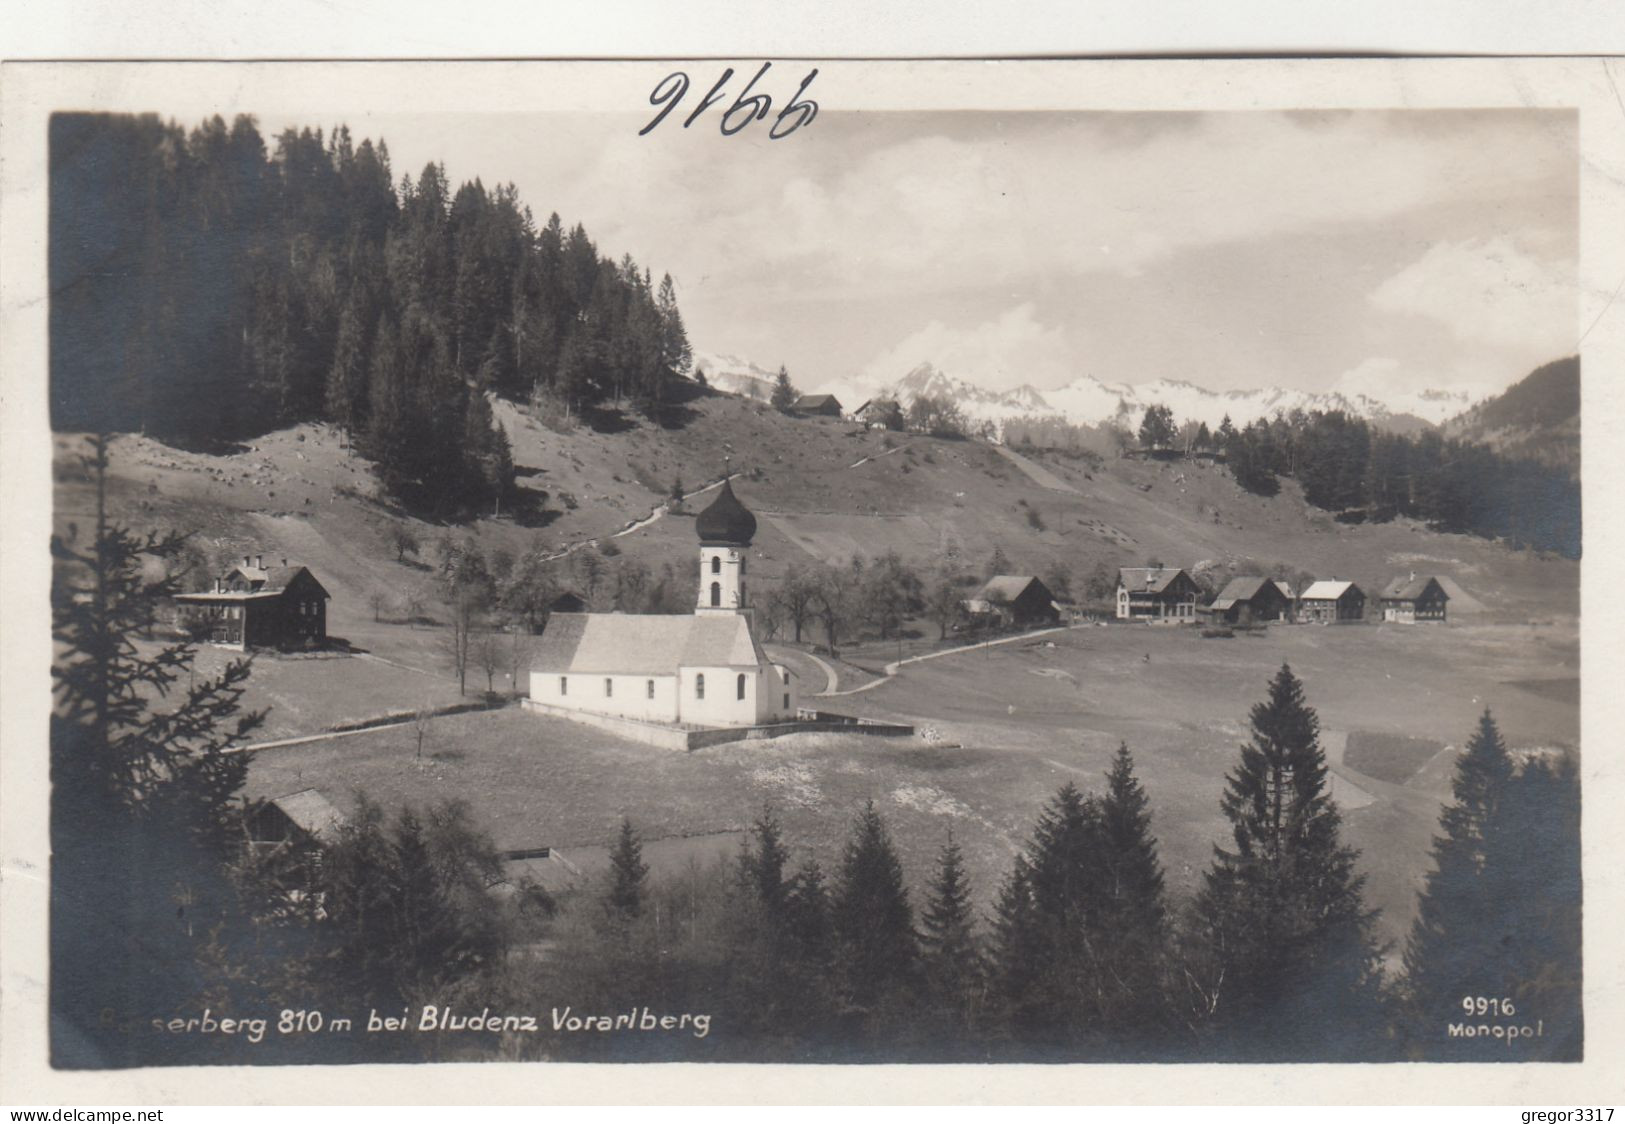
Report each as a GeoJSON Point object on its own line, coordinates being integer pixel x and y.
{"type": "Point", "coordinates": [1091, 401]}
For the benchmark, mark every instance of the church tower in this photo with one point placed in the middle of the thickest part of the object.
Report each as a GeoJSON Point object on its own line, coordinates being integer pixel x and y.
{"type": "Point", "coordinates": [725, 529]}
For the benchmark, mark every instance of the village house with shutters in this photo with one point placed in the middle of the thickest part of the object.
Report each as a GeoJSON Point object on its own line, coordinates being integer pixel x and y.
{"type": "Point", "coordinates": [1250, 600]}
{"type": "Point", "coordinates": [703, 670]}
{"type": "Point", "coordinates": [258, 606]}
{"type": "Point", "coordinates": [1156, 593]}
{"type": "Point", "coordinates": [1331, 602]}
{"type": "Point", "coordinates": [1413, 600]}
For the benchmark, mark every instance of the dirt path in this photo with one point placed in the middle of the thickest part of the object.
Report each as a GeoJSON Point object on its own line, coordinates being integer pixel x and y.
{"type": "Point", "coordinates": [892, 669]}
{"type": "Point", "coordinates": [1036, 472]}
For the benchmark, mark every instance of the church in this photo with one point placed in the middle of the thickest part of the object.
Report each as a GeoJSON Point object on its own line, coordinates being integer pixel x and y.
{"type": "Point", "coordinates": [705, 670]}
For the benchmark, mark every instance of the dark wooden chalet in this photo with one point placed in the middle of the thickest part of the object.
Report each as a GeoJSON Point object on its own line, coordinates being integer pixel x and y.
{"type": "Point", "coordinates": [1328, 602]}
{"type": "Point", "coordinates": [1146, 593]}
{"type": "Point", "coordinates": [1246, 600]}
{"type": "Point", "coordinates": [301, 817]}
{"type": "Point", "coordinates": [1020, 599]}
{"type": "Point", "coordinates": [259, 606]}
{"type": "Point", "coordinates": [1413, 599]}
{"type": "Point", "coordinates": [819, 405]}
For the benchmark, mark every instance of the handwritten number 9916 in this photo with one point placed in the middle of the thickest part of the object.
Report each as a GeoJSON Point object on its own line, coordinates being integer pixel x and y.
{"type": "Point", "coordinates": [746, 107]}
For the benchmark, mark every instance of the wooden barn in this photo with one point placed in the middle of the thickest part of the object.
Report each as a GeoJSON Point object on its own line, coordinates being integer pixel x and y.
{"type": "Point", "coordinates": [1328, 602]}
{"type": "Point", "coordinates": [1020, 599]}
{"type": "Point", "coordinates": [1247, 600]}
{"type": "Point", "coordinates": [1413, 599]}
{"type": "Point", "coordinates": [1156, 593]}
{"type": "Point", "coordinates": [301, 817]}
{"type": "Point", "coordinates": [258, 606]}
{"type": "Point", "coordinates": [819, 405]}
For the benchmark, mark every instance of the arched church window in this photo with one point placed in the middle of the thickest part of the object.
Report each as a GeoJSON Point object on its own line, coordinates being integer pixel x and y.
{"type": "Point", "coordinates": [741, 689]}
{"type": "Point", "coordinates": [716, 594]}
{"type": "Point", "coordinates": [699, 686]}
{"type": "Point", "coordinates": [741, 565]}
{"type": "Point", "coordinates": [716, 563]}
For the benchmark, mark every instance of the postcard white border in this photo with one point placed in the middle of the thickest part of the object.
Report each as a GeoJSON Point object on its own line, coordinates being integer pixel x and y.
{"type": "Point", "coordinates": [29, 92]}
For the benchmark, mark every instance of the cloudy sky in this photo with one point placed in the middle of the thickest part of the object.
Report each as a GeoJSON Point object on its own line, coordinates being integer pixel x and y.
{"type": "Point", "coordinates": [1362, 251]}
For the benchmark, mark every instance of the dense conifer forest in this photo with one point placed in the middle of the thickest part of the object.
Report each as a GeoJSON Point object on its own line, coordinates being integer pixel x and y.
{"type": "Point", "coordinates": [1363, 473]}
{"type": "Point", "coordinates": [207, 286]}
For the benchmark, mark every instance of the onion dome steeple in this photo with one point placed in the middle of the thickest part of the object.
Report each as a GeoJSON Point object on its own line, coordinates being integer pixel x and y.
{"type": "Point", "coordinates": [727, 522]}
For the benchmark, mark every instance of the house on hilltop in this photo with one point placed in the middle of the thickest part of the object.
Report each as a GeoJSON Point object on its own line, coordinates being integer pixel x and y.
{"type": "Point", "coordinates": [879, 413]}
{"type": "Point", "coordinates": [258, 606]}
{"type": "Point", "coordinates": [706, 669]}
{"type": "Point", "coordinates": [1327, 602]}
{"type": "Point", "coordinates": [819, 405]}
{"type": "Point", "coordinates": [1412, 599]}
{"type": "Point", "coordinates": [1020, 599]}
{"type": "Point", "coordinates": [1247, 600]}
{"type": "Point", "coordinates": [1156, 593]}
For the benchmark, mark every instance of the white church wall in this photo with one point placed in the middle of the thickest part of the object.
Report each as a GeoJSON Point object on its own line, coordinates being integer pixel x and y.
{"type": "Point", "coordinates": [720, 704]}
{"type": "Point", "coordinates": [647, 698]}
{"type": "Point", "coordinates": [778, 697]}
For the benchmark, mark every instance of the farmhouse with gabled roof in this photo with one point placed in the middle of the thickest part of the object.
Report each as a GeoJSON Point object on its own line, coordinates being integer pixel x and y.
{"type": "Point", "coordinates": [705, 670]}
{"type": "Point", "coordinates": [820, 405]}
{"type": "Point", "coordinates": [1411, 599]}
{"type": "Point", "coordinates": [1021, 598]}
{"type": "Point", "coordinates": [258, 606]}
{"type": "Point", "coordinates": [1245, 600]}
{"type": "Point", "coordinates": [1156, 593]}
{"type": "Point", "coordinates": [1327, 602]}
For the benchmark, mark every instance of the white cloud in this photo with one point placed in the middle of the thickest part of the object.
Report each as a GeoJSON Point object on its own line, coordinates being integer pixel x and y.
{"type": "Point", "coordinates": [1488, 291]}
{"type": "Point", "coordinates": [958, 208]}
{"type": "Point", "coordinates": [998, 354]}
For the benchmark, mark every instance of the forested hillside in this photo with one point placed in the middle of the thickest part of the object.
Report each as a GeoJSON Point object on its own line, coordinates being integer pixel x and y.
{"type": "Point", "coordinates": [1452, 483]}
{"type": "Point", "coordinates": [1537, 418]}
{"type": "Point", "coordinates": [206, 288]}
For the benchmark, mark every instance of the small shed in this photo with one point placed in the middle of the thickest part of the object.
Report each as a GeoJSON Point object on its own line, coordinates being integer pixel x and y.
{"type": "Point", "coordinates": [1156, 593]}
{"type": "Point", "coordinates": [1329, 602]}
{"type": "Point", "coordinates": [1020, 598]}
{"type": "Point", "coordinates": [1246, 600]}
{"type": "Point", "coordinates": [1412, 599]}
{"type": "Point", "coordinates": [819, 405]}
{"type": "Point", "coordinates": [300, 817]}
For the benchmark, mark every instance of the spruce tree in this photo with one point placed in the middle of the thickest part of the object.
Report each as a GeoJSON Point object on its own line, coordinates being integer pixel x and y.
{"type": "Point", "coordinates": [1130, 925]}
{"type": "Point", "coordinates": [1532, 863]}
{"type": "Point", "coordinates": [1017, 951]}
{"type": "Point", "coordinates": [143, 810]}
{"type": "Point", "coordinates": [878, 952]}
{"type": "Point", "coordinates": [1068, 886]}
{"type": "Point", "coordinates": [1499, 916]}
{"type": "Point", "coordinates": [949, 953]}
{"type": "Point", "coordinates": [1451, 950]}
{"type": "Point", "coordinates": [764, 864]}
{"type": "Point", "coordinates": [628, 875]}
{"type": "Point", "coordinates": [1281, 914]}
{"type": "Point", "coordinates": [784, 394]}
{"type": "Point", "coordinates": [807, 914]}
